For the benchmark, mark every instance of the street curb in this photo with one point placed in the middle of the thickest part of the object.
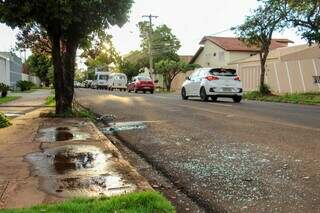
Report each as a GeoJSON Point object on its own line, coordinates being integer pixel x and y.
{"type": "Point", "coordinates": [123, 165]}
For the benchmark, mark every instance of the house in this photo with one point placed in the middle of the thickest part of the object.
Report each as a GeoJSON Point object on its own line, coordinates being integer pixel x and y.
{"type": "Point", "coordinates": [10, 68]}
{"type": "Point", "coordinates": [220, 51]}
{"type": "Point", "coordinates": [288, 70]}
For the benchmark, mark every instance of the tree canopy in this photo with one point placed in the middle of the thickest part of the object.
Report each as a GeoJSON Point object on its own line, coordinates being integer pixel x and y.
{"type": "Point", "coordinates": [67, 23]}
{"type": "Point", "coordinates": [258, 29]}
{"type": "Point", "coordinates": [164, 44]}
{"type": "Point", "coordinates": [170, 69]}
{"type": "Point", "coordinates": [40, 65]}
{"type": "Point", "coordinates": [306, 16]}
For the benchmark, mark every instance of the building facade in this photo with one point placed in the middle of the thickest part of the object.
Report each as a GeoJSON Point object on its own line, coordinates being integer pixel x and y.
{"type": "Point", "coordinates": [220, 51]}
{"type": "Point", "coordinates": [10, 68]}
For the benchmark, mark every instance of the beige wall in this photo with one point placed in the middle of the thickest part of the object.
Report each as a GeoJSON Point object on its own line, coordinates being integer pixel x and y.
{"type": "Point", "coordinates": [282, 76]}
{"type": "Point", "coordinates": [178, 80]}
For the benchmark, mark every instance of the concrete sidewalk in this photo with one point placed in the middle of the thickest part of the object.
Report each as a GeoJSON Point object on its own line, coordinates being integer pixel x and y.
{"type": "Point", "coordinates": [26, 103]}
{"type": "Point", "coordinates": [35, 168]}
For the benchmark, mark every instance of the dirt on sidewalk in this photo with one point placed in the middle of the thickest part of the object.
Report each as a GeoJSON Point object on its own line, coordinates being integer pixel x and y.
{"type": "Point", "coordinates": [44, 160]}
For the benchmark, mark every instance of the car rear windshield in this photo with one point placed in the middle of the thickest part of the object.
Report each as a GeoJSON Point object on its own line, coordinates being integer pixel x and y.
{"type": "Point", "coordinates": [142, 78]}
{"type": "Point", "coordinates": [103, 77]}
{"type": "Point", "coordinates": [223, 72]}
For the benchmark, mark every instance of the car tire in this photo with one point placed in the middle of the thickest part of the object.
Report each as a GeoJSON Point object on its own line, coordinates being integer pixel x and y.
{"type": "Point", "coordinates": [184, 94]}
{"type": "Point", "coordinates": [237, 99]}
{"type": "Point", "coordinates": [203, 94]}
{"type": "Point", "coordinates": [151, 91]}
{"type": "Point", "coordinates": [214, 98]}
{"type": "Point", "coordinates": [135, 90]}
{"type": "Point", "coordinates": [144, 91]}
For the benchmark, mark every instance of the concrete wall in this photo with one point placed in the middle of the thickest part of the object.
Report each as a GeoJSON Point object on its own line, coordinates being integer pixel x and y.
{"type": "Point", "coordinates": [31, 78]}
{"type": "Point", "coordinates": [4, 71]}
{"type": "Point", "coordinates": [282, 76]}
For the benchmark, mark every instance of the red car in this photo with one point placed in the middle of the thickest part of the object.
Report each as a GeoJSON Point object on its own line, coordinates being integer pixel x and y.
{"type": "Point", "coordinates": [141, 83]}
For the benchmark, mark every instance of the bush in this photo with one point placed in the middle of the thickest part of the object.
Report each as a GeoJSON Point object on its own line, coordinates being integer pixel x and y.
{"type": "Point", "coordinates": [264, 89]}
{"type": "Point", "coordinates": [25, 85]}
{"type": "Point", "coordinates": [4, 89]}
{"type": "Point", "coordinates": [4, 122]}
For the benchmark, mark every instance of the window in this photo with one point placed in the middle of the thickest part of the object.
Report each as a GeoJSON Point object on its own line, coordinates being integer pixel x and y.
{"type": "Point", "coordinates": [223, 72]}
{"type": "Point", "coordinates": [214, 54]}
{"type": "Point", "coordinates": [143, 78]}
{"type": "Point", "coordinates": [103, 77]}
{"type": "Point", "coordinates": [316, 79]}
{"type": "Point", "coordinates": [194, 74]}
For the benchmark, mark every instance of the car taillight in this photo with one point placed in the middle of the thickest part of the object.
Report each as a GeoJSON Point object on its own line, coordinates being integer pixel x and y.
{"type": "Point", "coordinates": [237, 78]}
{"type": "Point", "coordinates": [212, 78]}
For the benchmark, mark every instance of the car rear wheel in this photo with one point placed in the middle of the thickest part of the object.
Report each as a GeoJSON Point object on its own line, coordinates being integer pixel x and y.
{"type": "Point", "coordinates": [184, 94]}
{"type": "Point", "coordinates": [151, 91]}
{"type": "Point", "coordinates": [237, 99]}
{"type": "Point", "coordinates": [203, 94]}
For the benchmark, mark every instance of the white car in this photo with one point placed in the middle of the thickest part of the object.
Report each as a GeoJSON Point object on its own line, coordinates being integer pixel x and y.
{"type": "Point", "coordinates": [101, 80]}
{"type": "Point", "coordinates": [117, 81]}
{"type": "Point", "coordinates": [214, 83]}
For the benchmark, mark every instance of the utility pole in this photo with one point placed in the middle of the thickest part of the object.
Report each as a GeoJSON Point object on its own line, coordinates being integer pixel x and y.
{"type": "Point", "coordinates": [149, 41]}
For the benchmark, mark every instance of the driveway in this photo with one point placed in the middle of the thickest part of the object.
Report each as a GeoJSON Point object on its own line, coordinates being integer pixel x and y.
{"type": "Point", "coordinates": [247, 157]}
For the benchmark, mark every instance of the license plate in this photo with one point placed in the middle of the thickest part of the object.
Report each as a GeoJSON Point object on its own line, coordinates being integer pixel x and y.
{"type": "Point", "coordinates": [227, 89]}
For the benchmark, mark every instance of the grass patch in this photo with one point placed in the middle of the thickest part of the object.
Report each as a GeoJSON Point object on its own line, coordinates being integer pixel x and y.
{"type": "Point", "coordinates": [4, 121]}
{"type": "Point", "coordinates": [8, 99]}
{"type": "Point", "coordinates": [140, 202]}
{"type": "Point", "coordinates": [77, 111]}
{"type": "Point", "coordinates": [50, 101]}
{"type": "Point", "coordinates": [310, 98]}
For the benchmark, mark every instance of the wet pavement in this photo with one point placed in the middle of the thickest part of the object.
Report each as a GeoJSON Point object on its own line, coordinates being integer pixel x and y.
{"type": "Point", "coordinates": [56, 134]}
{"type": "Point", "coordinates": [78, 170]}
{"type": "Point", "coordinates": [248, 157]}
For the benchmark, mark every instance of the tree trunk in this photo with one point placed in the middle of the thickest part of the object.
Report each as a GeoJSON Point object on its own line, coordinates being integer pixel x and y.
{"type": "Point", "coordinates": [167, 82]}
{"type": "Point", "coordinates": [69, 65]}
{"type": "Point", "coordinates": [63, 63]}
{"type": "Point", "coordinates": [58, 74]}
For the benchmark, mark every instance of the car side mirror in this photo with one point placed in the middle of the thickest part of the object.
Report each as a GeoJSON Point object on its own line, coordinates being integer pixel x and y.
{"type": "Point", "coordinates": [188, 78]}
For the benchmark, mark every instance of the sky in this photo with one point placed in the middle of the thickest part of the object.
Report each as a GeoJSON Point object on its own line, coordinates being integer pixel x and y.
{"type": "Point", "coordinates": [189, 20]}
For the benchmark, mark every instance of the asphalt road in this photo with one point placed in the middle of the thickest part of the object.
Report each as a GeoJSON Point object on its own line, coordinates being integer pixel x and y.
{"type": "Point", "coordinates": [247, 157]}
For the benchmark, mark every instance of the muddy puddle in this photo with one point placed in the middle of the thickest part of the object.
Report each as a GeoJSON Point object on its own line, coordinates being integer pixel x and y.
{"type": "Point", "coordinates": [78, 170]}
{"type": "Point", "coordinates": [123, 126]}
{"type": "Point", "coordinates": [55, 134]}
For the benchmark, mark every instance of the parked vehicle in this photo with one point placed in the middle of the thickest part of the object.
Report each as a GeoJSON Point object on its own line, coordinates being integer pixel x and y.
{"type": "Point", "coordinates": [141, 83]}
{"type": "Point", "coordinates": [87, 83]}
{"type": "Point", "coordinates": [214, 83]}
{"type": "Point", "coordinates": [117, 81]}
{"type": "Point", "coordinates": [77, 84]}
{"type": "Point", "coordinates": [101, 80]}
